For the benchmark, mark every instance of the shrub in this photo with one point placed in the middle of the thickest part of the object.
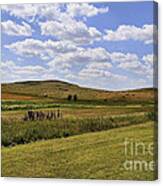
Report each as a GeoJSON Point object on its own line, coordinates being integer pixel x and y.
{"type": "Point", "coordinates": [19, 132]}
{"type": "Point", "coordinates": [69, 98]}
{"type": "Point", "coordinates": [152, 116]}
{"type": "Point", "coordinates": [75, 97]}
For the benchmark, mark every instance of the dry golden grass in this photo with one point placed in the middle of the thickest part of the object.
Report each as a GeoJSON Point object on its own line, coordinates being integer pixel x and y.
{"type": "Point", "coordinates": [57, 91]}
{"type": "Point", "coordinates": [12, 96]}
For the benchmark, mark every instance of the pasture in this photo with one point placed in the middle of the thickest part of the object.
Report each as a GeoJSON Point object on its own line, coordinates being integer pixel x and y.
{"type": "Point", "coordinates": [73, 132]}
{"type": "Point", "coordinates": [97, 155]}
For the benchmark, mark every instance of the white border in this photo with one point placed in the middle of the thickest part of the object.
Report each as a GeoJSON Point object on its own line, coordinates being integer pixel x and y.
{"type": "Point", "coordinates": [59, 182]}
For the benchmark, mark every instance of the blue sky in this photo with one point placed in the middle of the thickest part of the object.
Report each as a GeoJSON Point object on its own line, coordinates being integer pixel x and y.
{"type": "Point", "coordinates": [99, 45]}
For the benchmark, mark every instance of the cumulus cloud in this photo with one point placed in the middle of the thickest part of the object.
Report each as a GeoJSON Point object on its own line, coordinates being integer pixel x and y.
{"type": "Point", "coordinates": [100, 77]}
{"type": "Point", "coordinates": [53, 11]}
{"type": "Point", "coordinates": [72, 30]}
{"type": "Point", "coordinates": [149, 59]}
{"type": "Point", "coordinates": [30, 11]}
{"type": "Point", "coordinates": [69, 52]}
{"type": "Point", "coordinates": [146, 33]}
{"type": "Point", "coordinates": [91, 65]}
{"type": "Point", "coordinates": [101, 66]}
{"type": "Point", "coordinates": [75, 66]}
{"type": "Point", "coordinates": [97, 70]}
{"type": "Point", "coordinates": [42, 49]}
{"type": "Point", "coordinates": [130, 62]}
{"type": "Point", "coordinates": [81, 57]}
{"type": "Point", "coordinates": [95, 73]}
{"type": "Point", "coordinates": [84, 9]}
{"type": "Point", "coordinates": [118, 57]}
{"type": "Point", "coordinates": [11, 72]}
{"type": "Point", "coordinates": [133, 64]}
{"type": "Point", "coordinates": [11, 28]}
{"type": "Point", "coordinates": [59, 21]}
{"type": "Point", "coordinates": [64, 57]}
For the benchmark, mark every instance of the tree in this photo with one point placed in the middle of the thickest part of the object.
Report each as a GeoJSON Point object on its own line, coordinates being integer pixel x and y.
{"type": "Point", "coordinates": [69, 97]}
{"type": "Point", "coordinates": [75, 97]}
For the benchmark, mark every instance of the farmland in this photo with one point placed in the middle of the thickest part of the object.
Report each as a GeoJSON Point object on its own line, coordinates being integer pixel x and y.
{"type": "Point", "coordinates": [98, 155]}
{"type": "Point", "coordinates": [86, 142]}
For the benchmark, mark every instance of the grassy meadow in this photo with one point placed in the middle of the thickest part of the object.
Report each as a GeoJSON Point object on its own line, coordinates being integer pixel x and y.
{"type": "Point", "coordinates": [86, 142]}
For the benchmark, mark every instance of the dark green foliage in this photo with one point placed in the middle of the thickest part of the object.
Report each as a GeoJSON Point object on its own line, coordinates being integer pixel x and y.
{"type": "Point", "coordinates": [25, 132]}
{"type": "Point", "coordinates": [31, 105]}
{"type": "Point", "coordinates": [69, 98]}
{"type": "Point", "coordinates": [152, 116]}
{"type": "Point", "coordinates": [75, 97]}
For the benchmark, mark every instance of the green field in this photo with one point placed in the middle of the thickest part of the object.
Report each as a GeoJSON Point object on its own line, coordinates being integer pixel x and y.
{"type": "Point", "coordinates": [86, 142]}
{"type": "Point", "coordinates": [95, 156]}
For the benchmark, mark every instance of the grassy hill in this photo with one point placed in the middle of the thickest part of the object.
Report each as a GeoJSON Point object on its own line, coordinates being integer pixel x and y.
{"type": "Point", "coordinates": [98, 155]}
{"type": "Point", "coordinates": [58, 90]}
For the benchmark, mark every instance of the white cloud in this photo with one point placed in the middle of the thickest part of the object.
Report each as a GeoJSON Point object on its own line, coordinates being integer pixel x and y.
{"type": "Point", "coordinates": [149, 59]}
{"type": "Point", "coordinates": [53, 11]}
{"type": "Point", "coordinates": [65, 57]}
{"type": "Point", "coordinates": [132, 65]}
{"type": "Point", "coordinates": [92, 66]}
{"type": "Point", "coordinates": [11, 72]}
{"type": "Point", "coordinates": [118, 57]}
{"type": "Point", "coordinates": [151, 65]}
{"type": "Point", "coordinates": [43, 49]}
{"type": "Point", "coordinates": [75, 66]}
{"type": "Point", "coordinates": [146, 33]}
{"type": "Point", "coordinates": [101, 77]}
{"type": "Point", "coordinates": [30, 11]}
{"type": "Point", "coordinates": [72, 30]}
{"type": "Point", "coordinates": [95, 73]}
{"type": "Point", "coordinates": [130, 62]}
{"type": "Point", "coordinates": [57, 20]}
{"type": "Point", "coordinates": [100, 65]}
{"type": "Point", "coordinates": [11, 28]}
{"type": "Point", "coordinates": [97, 70]}
{"type": "Point", "coordinates": [80, 58]}
{"type": "Point", "coordinates": [135, 65]}
{"type": "Point", "coordinates": [84, 9]}
{"type": "Point", "coordinates": [20, 10]}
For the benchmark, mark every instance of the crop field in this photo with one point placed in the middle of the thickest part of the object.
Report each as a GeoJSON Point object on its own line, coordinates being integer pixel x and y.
{"type": "Point", "coordinates": [97, 155]}
{"type": "Point", "coordinates": [59, 130]}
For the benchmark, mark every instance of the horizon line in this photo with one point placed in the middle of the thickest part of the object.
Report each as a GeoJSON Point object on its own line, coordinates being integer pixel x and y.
{"type": "Point", "coordinates": [82, 86]}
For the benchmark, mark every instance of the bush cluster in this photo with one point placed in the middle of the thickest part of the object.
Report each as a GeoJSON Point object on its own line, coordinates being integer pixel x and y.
{"type": "Point", "coordinates": [19, 132]}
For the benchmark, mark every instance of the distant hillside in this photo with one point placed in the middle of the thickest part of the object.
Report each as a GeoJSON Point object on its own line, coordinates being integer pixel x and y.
{"type": "Point", "coordinates": [54, 89]}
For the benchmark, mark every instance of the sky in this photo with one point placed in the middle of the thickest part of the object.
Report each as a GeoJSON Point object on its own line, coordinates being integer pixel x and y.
{"type": "Point", "coordinates": [98, 45]}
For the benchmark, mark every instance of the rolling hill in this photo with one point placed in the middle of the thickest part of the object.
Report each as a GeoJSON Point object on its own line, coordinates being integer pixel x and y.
{"type": "Point", "coordinates": [59, 90]}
